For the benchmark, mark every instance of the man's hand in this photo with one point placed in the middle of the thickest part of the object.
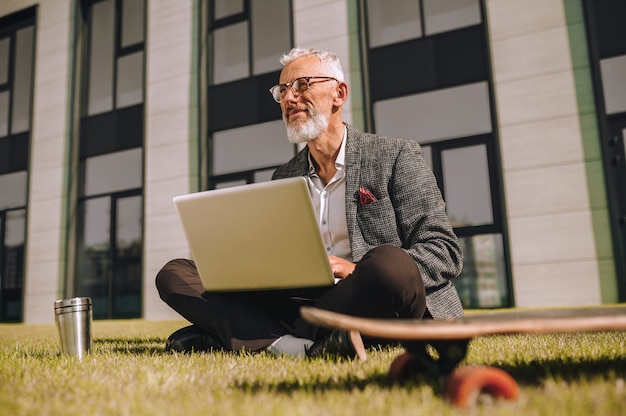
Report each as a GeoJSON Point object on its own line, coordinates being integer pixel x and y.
{"type": "Point", "coordinates": [341, 268]}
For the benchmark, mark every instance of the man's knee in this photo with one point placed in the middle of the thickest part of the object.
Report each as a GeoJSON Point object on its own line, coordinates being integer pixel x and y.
{"type": "Point", "coordinates": [391, 263]}
{"type": "Point", "coordinates": [170, 276]}
{"type": "Point", "coordinates": [391, 273]}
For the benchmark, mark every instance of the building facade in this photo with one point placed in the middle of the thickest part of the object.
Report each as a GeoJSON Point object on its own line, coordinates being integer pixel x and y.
{"type": "Point", "coordinates": [110, 108]}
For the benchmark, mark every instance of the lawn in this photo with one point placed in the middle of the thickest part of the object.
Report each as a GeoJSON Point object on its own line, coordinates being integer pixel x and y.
{"type": "Point", "coordinates": [128, 373]}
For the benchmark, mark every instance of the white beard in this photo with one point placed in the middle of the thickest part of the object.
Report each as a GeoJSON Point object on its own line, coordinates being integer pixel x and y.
{"type": "Point", "coordinates": [305, 131]}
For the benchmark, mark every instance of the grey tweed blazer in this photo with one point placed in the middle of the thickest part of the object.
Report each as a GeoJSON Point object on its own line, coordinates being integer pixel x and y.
{"type": "Point", "coordinates": [409, 211]}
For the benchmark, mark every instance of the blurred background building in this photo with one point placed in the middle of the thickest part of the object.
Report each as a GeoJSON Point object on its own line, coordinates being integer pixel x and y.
{"type": "Point", "coordinates": [109, 108]}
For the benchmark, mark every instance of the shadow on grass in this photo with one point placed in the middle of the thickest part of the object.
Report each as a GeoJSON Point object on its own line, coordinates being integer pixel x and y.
{"type": "Point", "coordinates": [340, 383]}
{"type": "Point", "coordinates": [534, 373]}
{"type": "Point", "coordinates": [133, 346]}
{"type": "Point", "coordinates": [537, 371]}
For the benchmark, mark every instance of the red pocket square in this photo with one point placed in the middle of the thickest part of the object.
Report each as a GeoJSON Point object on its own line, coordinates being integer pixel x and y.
{"type": "Point", "coordinates": [366, 196]}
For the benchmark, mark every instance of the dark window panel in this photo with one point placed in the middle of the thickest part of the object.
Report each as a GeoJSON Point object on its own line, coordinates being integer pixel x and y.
{"type": "Point", "coordinates": [129, 127]}
{"type": "Point", "coordinates": [14, 153]}
{"type": "Point", "coordinates": [4, 156]}
{"type": "Point", "coordinates": [241, 103]}
{"type": "Point", "coordinates": [460, 57]}
{"type": "Point", "coordinates": [440, 61]}
{"type": "Point", "coordinates": [611, 27]}
{"type": "Point", "coordinates": [402, 68]}
{"type": "Point", "coordinates": [18, 149]}
{"type": "Point", "coordinates": [113, 131]}
{"type": "Point", "coordinates": [267, 108]}
{"type": "Point", "coordinates": [97, 135]}
{"type": "Point", "coordinates": [17, 20]}
{"type": "Point", "coordinates": [232, 104]}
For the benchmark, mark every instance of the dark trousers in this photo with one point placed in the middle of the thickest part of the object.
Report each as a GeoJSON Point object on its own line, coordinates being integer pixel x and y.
{"type": "Point", "coordinates": [386, 283]}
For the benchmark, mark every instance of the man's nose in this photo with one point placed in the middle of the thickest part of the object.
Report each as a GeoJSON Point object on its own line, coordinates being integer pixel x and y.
{"type": "Point", "coordinates": [290, 95]}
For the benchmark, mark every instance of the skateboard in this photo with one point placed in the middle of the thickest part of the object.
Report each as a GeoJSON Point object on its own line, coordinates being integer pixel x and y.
{"type": "Point", "coordinates": [450, 339]}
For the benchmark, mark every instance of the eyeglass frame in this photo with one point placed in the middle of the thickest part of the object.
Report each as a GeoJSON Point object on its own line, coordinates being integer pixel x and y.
{"type": "Point", "coordinates": [297, 81]}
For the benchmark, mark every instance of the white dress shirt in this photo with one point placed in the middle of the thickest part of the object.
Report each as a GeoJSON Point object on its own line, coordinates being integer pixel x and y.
{"type": "Point", "coordinates": [330, 206]}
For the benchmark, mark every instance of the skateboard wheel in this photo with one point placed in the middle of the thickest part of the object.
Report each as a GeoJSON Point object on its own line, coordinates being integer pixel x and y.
{"type": "Point", "coordinates": [464, 385]}
{"type": "Point", "coordinates": [402, 367]}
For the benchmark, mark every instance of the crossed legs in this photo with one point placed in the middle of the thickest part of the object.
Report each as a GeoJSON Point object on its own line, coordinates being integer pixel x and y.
{"type": "Point", "coordinates": [386, 283]}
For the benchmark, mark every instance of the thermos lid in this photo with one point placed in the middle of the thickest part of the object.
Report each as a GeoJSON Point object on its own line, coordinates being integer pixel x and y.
{"type": "Point", "coordinates": [64, 303]}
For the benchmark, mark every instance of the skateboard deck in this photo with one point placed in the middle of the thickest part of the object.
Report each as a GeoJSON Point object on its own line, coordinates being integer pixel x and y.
{"type": "Point", "coordinates": [535, 321]}
{"type": "Point", "coordinates": [450, 339]}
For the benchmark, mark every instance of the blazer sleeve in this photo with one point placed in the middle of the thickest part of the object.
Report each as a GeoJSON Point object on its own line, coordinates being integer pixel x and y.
{"type": "Point", "coordinates": [421, 218]}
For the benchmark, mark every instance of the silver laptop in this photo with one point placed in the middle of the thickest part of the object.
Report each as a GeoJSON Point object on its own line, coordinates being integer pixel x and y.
{"type": "Point", "coordinates": [253, 237]}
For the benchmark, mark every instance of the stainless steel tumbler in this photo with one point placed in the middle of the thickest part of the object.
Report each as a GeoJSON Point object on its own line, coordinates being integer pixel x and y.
{"type": "Point", "coordinates": [73, 318]}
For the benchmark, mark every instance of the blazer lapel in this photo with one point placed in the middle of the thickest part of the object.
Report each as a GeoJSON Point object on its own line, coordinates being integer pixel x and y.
{"type": "Point", "coordinates": [353, 161]}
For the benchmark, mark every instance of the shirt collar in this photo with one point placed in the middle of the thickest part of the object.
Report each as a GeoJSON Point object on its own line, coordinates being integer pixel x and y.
{"type": "Point", "coordinates": [340, 162]}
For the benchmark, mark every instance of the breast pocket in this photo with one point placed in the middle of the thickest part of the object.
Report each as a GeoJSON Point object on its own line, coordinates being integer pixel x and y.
{"type": "Point", "coordinates": [377, 221]}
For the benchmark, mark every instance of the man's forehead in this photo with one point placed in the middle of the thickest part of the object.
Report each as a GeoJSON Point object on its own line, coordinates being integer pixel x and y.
{"type": "Point", "coordinates": [302, 67]}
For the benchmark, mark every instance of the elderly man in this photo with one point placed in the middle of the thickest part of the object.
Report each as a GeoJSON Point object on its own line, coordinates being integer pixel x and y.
{"type": "Point", "coordinates": [390, 243]}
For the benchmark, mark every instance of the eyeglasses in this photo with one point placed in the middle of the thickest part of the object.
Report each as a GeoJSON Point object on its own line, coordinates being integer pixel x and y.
{"type": "Point", "coordinates": [298, 86]}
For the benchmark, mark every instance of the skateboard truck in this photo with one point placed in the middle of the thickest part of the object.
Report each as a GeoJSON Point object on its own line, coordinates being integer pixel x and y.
{"type": "Point", "coordinates": [461, 385]}
{"type": "Point", "coordinates": [448, 356]}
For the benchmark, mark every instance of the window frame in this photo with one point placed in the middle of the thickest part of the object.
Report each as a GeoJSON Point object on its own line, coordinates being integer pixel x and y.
{"type": "Point", "coordinates": [15, 148]}
{"type": "Point", "coordinates": [105, 133]}
{"type": "Point", "coordinates": [257, 108]}
{"type": "Point", "coordinates": [444, 64]}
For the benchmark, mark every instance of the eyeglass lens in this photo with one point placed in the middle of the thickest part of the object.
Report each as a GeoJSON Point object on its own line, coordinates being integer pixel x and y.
{"type": "Point", "coordinates": [298, 86]}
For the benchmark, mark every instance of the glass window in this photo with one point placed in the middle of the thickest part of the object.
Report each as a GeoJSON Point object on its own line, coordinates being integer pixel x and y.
{"type": "Point", "coordinates": [264, 175]}
{"type": "Point", "coordinates": [12, 270]}
{"type": "Point", "coordinates": [128, 247]}
{"type": "Point", "coordinates": [442, 16]}
{"type": "Point", "coordinates": [225, 8]}
{"type": "Point", "coordinates": [482, 283]}
{"type": "Point", "coordinates": [109, 223]}
{"type": "Point", "coordinates": [392, 21]}
{"type": "Point", "coordinates": [101, 60]}
{"type": "Point", "coordinates": [13, 187]}
{"type": "Point", "coordinates": [129, 80]}
{"type": "Point", "coordinates": [15, 229]}
{"type": "Point", "coordinates": [94, 261]}
{"type": "Point", "coordinates": [132, 22]}
{"type": "Point", "coordinates": [4, 61]}
{"type": "Point", "coordinates": [17, 42]}
{"type": "Point", "coordinates": [95, 232]}
{"type": "Point", "coordinates": [264, 145]}
{"type": "Point", "coordinates": [466, 185]}
{"type": "Point", "coordinates": [613, 72]}
{"type": "Point", "coordinates": [270, 34]}
{"type": "Point", "coordinates": [113, 172]}
{"type": "Point", "coordinates": [4, 113]}
{"type": "Point", "coordinates": [245, 48]}
{"type": "Point", "coordinates": [624, 142]}
{"type": "Point", "coordinates": [230, 53]}
{"type": "Point", "coordinates": [22, 83]}
{"type": "Point", "coordinates": [129, 224]}
{"type": "Point", "coordinates": [230, 184]}
{"type": "Point", "coordinates": [436, 115]}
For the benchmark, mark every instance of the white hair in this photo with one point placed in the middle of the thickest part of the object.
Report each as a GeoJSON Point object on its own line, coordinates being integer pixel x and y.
{"type": "Point", "coordinates": [328, 58]}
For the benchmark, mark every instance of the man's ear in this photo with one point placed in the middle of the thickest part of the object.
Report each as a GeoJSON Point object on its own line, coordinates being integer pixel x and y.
{"type": "Point", "coordinates": [341, 94]}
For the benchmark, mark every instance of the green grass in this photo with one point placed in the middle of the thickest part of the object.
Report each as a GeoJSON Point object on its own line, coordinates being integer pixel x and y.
{"type": "Point", "coordinates": [128, 373]}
